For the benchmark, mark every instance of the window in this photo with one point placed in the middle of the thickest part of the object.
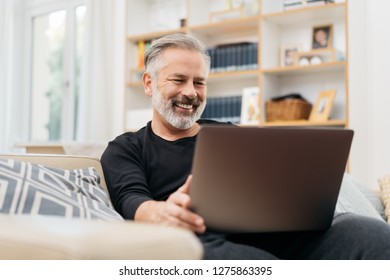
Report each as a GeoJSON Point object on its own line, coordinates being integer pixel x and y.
{"type": "Point", "coordinates": [57, 40]}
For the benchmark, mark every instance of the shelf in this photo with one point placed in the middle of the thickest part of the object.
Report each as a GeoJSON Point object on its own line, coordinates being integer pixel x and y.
{"type": "Point", "coordinates": [271, 30]}
{"type": "Point", "coordinates": [233, 26]}
{"type": "Point", "coordinates": [134, 84]}
{"type": "Point", "coordinates": [154, 35]}
{"type": "Point", "coordinates": [218, 76]}
{"type": "Point", "coordinates": [302, 15]}
{"type": "Point", "coordinates": [233, 74]}
{"type": "Point", "coordinates": [42, 148]}
{"type": "Point", "coordinates": [305, 123]}
{"type": "Point", "coordinates": [320, 68]}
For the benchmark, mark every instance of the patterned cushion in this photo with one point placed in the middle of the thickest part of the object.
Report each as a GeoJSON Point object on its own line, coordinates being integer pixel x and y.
{"type": "Point", "coordinates": [384, 184]}
{"type": "Point", "coordinates": [27, 188]}
{"type": "Point", "coordinates": [351, 199]}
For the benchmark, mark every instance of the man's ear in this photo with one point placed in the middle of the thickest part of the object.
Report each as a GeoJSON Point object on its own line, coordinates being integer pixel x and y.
{"type": "Point", "coordinates": [147, 82]}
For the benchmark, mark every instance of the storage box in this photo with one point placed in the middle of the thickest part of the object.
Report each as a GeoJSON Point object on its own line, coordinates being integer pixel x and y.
{"type": "Point", "coordinates": [288, 109]}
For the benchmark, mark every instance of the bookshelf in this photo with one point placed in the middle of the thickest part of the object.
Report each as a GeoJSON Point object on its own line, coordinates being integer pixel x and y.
{"type": "Point", "coordinates": [262, 22]}
{"type": "Point", "coordinates": [295, 27]}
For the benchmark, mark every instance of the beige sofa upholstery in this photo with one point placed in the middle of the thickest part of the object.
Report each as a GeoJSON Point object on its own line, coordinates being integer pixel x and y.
{"type": "Point", "coordinates": [43, 237]}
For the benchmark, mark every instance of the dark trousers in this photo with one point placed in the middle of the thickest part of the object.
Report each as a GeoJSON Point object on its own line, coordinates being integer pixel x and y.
{"type": "Point", "coordinates": [350, 237]}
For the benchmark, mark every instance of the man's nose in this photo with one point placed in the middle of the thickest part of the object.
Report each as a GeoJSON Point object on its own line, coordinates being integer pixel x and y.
{"type": "Point", "coordinates": [189, 90]}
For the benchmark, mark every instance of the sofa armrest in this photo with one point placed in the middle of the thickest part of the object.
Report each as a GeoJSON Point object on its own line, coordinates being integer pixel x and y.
{"type": "Point", "coordinates": [42, 237]}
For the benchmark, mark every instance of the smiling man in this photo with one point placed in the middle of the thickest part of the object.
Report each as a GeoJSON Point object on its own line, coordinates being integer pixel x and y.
{"type": "Point", "coordinates": [179, 93]}
{"type": "Point", "coordinates": [148, 171]}
{"type": "Point", "coordinates": [145, 169]}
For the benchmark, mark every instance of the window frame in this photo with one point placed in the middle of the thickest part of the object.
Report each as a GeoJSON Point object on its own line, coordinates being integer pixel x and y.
{"type": "Point", "coordinates": [36, 8]}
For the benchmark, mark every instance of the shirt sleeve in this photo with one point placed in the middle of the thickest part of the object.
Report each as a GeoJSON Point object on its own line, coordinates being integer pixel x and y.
{"type": "Point", "coordinates": [125, 176]}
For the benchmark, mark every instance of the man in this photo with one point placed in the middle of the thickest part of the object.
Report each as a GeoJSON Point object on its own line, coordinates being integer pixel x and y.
{"type": "Point", "coordinates": [148, 171]}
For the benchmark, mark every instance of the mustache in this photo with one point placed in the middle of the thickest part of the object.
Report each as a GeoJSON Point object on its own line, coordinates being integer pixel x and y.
{"type": "Point", "coordinates": [186, 100]}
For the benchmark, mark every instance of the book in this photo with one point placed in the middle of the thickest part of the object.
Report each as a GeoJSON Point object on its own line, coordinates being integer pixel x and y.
{"type": "Point", "coordinates": [291, 2]}
{"type": "Point", "coordinates": [141, 54]}
{"type": "Point", "coordinates": [250, 107]}
{"type": "Point", "coordinates": [224, 109]}
{"type": "Point", "coordinates": [233, 57]}
{"type": "Point", "coordinates": [294, 4]}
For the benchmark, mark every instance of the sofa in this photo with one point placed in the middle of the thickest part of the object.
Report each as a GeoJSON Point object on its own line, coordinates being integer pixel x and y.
{"type": "Point", "coordinates": [84, 225]}
{"type": "Point", "coordinates": [44, 216]}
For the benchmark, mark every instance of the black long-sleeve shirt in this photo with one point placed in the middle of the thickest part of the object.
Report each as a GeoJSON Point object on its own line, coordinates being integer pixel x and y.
{"type": "Point", "coordinates": [141, 166]}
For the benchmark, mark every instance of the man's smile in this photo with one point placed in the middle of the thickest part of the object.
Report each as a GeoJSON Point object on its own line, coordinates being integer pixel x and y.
{"type": "Point", "coordinates": [184, 106]}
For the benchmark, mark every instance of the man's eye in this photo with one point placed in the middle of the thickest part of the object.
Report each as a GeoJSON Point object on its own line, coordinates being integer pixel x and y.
{"type": "Point", "coordinates": [177, 81]}
{"type": "Point", "coordinates": [201, 84]}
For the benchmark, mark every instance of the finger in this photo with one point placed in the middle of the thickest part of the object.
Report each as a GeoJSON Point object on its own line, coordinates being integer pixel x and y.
{"type": "Point", "coordinates": [189, 227]}
{"type": "Point", "coordinates": [187, 218]}
{"type": "Point", "coordinates": [190, 217]}
{"type": "Point", "coordinates": [186, 187]}
{"type": "Point", "coordinates": [195, 224]}
{"type": "Point", "coordinates": [173, 221]}
{"type": "Point", "coordinates": [171, 214]}
{"type": "Point", "coordinates": [181, 199]}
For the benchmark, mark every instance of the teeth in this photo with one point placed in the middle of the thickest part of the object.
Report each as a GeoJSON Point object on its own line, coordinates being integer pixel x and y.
{"type": "Point", "coordinates": [184, 106]}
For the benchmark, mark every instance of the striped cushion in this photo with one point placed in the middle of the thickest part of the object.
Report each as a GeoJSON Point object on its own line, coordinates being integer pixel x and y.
{"type": "Point", "coordinates": [32, 189]}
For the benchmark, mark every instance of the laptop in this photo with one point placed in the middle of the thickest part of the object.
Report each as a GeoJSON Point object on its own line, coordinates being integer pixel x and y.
{"type": "Point", "coordinates": [252, 179]}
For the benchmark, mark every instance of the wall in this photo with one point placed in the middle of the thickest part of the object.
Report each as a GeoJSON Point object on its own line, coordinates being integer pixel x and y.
{"type": "Point", "coordinates": [369, 88]}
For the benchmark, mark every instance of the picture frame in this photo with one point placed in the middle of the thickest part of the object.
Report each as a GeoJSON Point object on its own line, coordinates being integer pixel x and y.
{"type": "Point", "coordinates": [323, 106]}
{"type": "Point", "coordinates": [288, 54]}
{"type": "Point", "coordinates": [322, 37]}
{"type": "Point", "coordinates": [315, 57]}
{"type": "Point", "coordinates": [250, 106]}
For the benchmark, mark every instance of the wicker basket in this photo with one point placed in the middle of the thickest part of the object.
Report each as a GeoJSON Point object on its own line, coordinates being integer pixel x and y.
{"type": "Point", "coordinates": [288, 109]}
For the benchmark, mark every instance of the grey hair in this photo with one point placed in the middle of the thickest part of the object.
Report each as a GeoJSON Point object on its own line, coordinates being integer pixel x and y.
{"type": "Point", "coordinates": [153, 61]}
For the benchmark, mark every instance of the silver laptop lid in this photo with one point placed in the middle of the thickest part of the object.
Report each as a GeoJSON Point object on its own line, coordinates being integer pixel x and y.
{"type": "Point", "coordinates": [250, 179]}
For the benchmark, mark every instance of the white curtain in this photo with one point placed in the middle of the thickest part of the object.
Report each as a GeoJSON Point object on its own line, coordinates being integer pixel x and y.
{"type": "Point", "coordinates": [6, 70]}
{"type": "Point", "coordinates": [101, 104]}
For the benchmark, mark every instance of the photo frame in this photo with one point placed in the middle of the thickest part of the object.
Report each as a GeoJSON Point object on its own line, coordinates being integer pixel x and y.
{"type": "Point", "coordinates": [323, 106]}
{"type": "Point", "coordinates": [322, 37]}
{"type": "Point", "coordinates": [287, 54]}
{"type": "Point", "coordinates": [250, 106]}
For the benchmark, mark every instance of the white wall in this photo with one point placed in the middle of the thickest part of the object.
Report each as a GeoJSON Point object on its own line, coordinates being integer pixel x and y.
{"type": "Point", "coordinates": [369, 88]}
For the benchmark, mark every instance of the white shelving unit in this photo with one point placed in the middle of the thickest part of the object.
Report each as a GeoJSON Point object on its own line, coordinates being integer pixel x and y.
{"type": "Point", "coordinates": [261, 21]}
{"type": "Point", "coordinates": [294, 27]}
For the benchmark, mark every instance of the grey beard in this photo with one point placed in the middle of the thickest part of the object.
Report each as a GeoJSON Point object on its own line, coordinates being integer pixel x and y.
{"type": "Point", "coordinates": [177, 120]}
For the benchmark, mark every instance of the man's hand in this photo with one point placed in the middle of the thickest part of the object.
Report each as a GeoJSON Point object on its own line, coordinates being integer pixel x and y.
{"type": "Point", "coordinates": [175, 211]}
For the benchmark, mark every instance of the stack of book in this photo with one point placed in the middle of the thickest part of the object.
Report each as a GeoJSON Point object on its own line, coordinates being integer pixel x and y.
{"type": "Point", "coordinates": [224, 109]}
{"type": "Point", "coordinates": [142, 47]}
{"type": "Point", "coordinates": [233, 57]}
{"type": "Point", "coordinates": [295, 4]}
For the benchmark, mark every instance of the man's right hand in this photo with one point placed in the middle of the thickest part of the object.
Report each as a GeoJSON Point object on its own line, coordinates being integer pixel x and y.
{"type": "Point", "coordinates": [174, 211]}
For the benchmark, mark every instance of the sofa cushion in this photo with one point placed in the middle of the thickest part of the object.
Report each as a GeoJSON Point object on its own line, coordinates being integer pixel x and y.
{"type": "Point", "coordinates": [384, 185]}
{"type": "Point", "coordinates": [352, 199]}
{"type": "Point", "coordinates": [32, 189]}
{"type": "Point", "coordinates": [371, 195]}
